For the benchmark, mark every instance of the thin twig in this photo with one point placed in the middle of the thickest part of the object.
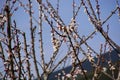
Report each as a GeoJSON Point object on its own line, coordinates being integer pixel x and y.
{"type": "Point", "coordinates": [32, 40]}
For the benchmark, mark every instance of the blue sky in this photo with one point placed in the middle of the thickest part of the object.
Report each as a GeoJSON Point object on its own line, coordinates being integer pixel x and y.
{"type": "Point", "coordinates": [84, 27]}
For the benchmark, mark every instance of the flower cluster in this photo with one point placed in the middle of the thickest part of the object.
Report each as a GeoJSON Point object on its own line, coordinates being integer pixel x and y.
{"type": "Point", "coordinates": [73, 57]}
{"type": "Point", "coordinates": [76, 72]}
{"type": "Point", "coordinates": [112, 67]}
{"type": "Point", "coordinates": [65, 76]}
{"type": "Point", "coordinates": [3, 19]}
{"type": "Point", "coordinates": [61, 76]}
{"type": "Point", "coordinates": [90, 58]}
{"type": "Point", "coordinates": [70, 28]}
{"type": "Point", "coordinates": [55, 41]}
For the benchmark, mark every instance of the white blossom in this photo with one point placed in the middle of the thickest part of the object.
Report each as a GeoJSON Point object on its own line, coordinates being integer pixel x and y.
{"type": "Point", "coordinates": [74, 76]}
{"type": "Point", "coordinates": [95, 75]}
{"type": "Point", "coordinates": [112, 68]}
{"type": "Point", "coordinates": [16, 67]}
{"type": "Point", "coordinates": [68, 75]}
{"type": "Point", "coordinates": [104, 69]}
{"type": "Point", "coordinates": [90, 58]}
{"type": "Point", "coordinates": [5, 63]}
{"type": "Point", "coordinates": [59, 74]}
{"type": "Point", "coordinates": [63, 77]}
{"type": "Point", "coordinates": [85, 11]}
